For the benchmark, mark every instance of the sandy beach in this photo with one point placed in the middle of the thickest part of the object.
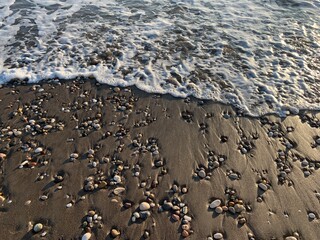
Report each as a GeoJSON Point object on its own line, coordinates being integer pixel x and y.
{"type": "Point", "coordinates": [80, 160]}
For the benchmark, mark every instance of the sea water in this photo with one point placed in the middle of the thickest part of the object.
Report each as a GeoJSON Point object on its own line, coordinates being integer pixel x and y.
{"type": "Point", "coordinates": [261, 56]}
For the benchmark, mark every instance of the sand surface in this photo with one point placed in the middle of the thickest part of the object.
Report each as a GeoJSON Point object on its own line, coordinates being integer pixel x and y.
{"type": "Point", "coordinates": [71, 148]}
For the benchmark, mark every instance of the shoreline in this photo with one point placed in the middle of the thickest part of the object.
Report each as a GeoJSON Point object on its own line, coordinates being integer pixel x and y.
{"type": "Point", "coordinates": [152, 166]}
{"type": "Point", "coordinates": [82, 79]}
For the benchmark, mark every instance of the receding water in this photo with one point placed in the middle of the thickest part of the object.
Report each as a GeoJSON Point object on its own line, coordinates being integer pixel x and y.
{"type": "Point", "coordinates": [260, 56]}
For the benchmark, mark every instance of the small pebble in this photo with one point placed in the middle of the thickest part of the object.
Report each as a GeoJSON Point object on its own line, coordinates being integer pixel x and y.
{"type": "Point", "coordinates": [86, 236]}
{"type": "Point", "coordinates": [202, 174]}
{"type": "Point", "coordinates": [115, 233]}
{"type": "Point", "coordinates": [144, 206]}
{"type": "Point", "coordinates": [215, 203]}
{"type": "Point", "coordinates": [312, 216]}
{"type": "Point", "coordinates": [263, 186]}
{"type": "Point", "coordinates": [218, 236]}
{"type": "Point", "coordinates": [38, 227]}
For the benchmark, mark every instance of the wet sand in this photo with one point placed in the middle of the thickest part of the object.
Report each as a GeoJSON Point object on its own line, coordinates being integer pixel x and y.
{"type": "Point", "coordinates": [84, 159]}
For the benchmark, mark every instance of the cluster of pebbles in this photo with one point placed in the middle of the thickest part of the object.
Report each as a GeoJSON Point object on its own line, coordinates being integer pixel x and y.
{"type": "Point", "coordinates": [91, 221]}
{"type": "Point", "coordinates": [178, 210]}
{"type": "Point", "coordinates": [232, 204]}
{"type": "Point", "coordinates": [144, 209]}
{"type": "Point", "coordinates": [214, 161]}
{"type": "Point", "coordinates": [35, 154]}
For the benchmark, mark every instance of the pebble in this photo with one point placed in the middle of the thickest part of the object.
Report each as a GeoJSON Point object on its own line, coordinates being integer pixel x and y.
{"type": "Point", "coordinates": [233, 176]}
{"type": "Point", "coordinates": [318, 141]}
{"type": "Point", "coordinates": [187, 218]}
{"type": "Point", "coordinates": [185, 233]}
{"type": "Point", "coordinates": [291, 238]}
{"type": "Point", "coordinates": [218, 210]}
{"type": "Point", "coordinates": [38, 227]}
{"type": "Point", "coordinates": [38, 150]}
{"type": "Point", "coordinates": [117, 179]}
{"type": "Point", "coordinates": [202, 174]}
{"type": "Point", "coordinates": [3, 156]}
{"type": "Point", "coordinates": [311, 216]}
{"type": "Point", "coordinates": [115, 233]}
{"type": "Point", "coordinates": [144, 206]}
{"type": "Point", "coordinates": [118, 190]}
{"type": "Point", "coordinates": [263, 186]}
{"type": "Point", "coordinates": [215, 203]}
{"type": "Point", "coordinates": [86, 236]}
{"type": "Point", "coordinates": [239, 208]}
{"type": "Point", "coordinates": [218, 236]}
{"type": "Point", "coordinates": [74, 155]}
{"type": "Point", "coordinates": [69, 205]}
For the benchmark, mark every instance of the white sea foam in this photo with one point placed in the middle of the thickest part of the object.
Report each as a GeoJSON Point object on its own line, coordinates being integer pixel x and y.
{"type": "Point", "coordinates": [261, 56]}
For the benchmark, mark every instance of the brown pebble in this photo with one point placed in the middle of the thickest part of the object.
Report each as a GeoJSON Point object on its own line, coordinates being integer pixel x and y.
{"type": "Point", "coordinates": [115, 233]}
{"type": "Point", "coordinates": [185, 227]}
{"type": "Point", "coordinates": [185, 233]}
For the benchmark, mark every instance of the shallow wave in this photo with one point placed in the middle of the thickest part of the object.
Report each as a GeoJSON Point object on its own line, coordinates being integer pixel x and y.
{"type": "Point", "coordinates": [260, 56]}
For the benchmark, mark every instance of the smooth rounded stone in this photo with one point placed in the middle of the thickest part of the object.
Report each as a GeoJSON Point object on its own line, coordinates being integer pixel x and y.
{"type": "Point", "coordinates": [185, 226]}
{"type": "Point", "coordinates": [318, 141]}
{"type": "Point", "coordinates": [304, 163]}
{"type": "Point", "coordinates": [3, 156]}
{"type": "Point", "coordinates": [47, 127]}
{"type": "Point", "coordinates": [232, 210]}
{"type": "Point", "coordinates": [244, 150]}
{"type": "Point", "coordinates": [185, 234]}
{"type": "Point", "coordinates": [144, 206]}
{"type": "Point", "coordinates": [117, 179]}
{"type": "Point", "coordinates": [38, 227]}
{"type": "Point", "coordinates": [146, 234]}
{"type": "Point", "coordinates": [185, 210]}
{"type": "Point", "coordinates": [215, 164]}
{"type": "Point", "coordinates": [263, 186]}
{"type": "Point", "coordinates": [291, 238]}
{"type": "Point", "coordinates": [17, 133]}
{"type": "Point", "coordinates": [218, 236]}
{"type": "Point", "coordinates": [202, 174]}
{"type": "Point", "coordinates": [74, 155]}
{"type": "Point", "coordinates": [311, 216]}
{"type": "Point", "coordinates": [184, 190]}
{"type": "Point", "coordinates": [215, 203]}
{"type": "Point", "coordinates": [38, 150]}
{"type": "Point", "coordinates": [89, 219]}
{"type": "Point", "coordinates": [44, 197]}
{"type": "Point", "coordinates": [187, 218]}
{"type": "Point", "coordinates": [233, 176]}
{"type": "Point", "coordinates": [283, 174]}
{"type": "Point", "coordinates": [239, 208]}
{"type": "Point", "coordinates": [218, 210]}
{"type": "Point", "coordinates": [115, 233]}
{"type": "Point", "coordinates": [86, 236]}
{"type": "Point", "coordinates": [136, 215]}
{"type": "Point", "coordinates": [69, 205]}
{"type": "Point", "coordinates": [118, 190]}
{"type": "Point", "coordinates": [91, 151]}
{"type": "Point", "coordinates": [307, 173]}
